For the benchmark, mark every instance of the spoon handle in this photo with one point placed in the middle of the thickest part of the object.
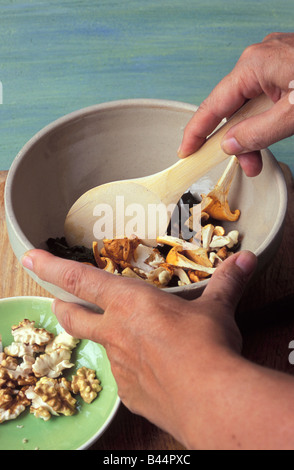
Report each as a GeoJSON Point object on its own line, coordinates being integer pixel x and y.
{"type": "Point", "coordinates": [171, 183]}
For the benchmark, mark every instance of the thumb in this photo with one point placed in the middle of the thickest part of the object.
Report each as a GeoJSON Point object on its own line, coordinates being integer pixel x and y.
{"type": "Point", "coordinates": [261, 131]}
{"type": "Point", "coordinates": [230, 279]}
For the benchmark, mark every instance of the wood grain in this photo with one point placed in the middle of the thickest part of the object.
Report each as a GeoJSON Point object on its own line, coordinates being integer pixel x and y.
{"type": "Point", "coordinates": [277, 281]}
{"type": "Point", "coordinates": [14, 280]}
{"type": "Point", "coordinates": [265, 317]}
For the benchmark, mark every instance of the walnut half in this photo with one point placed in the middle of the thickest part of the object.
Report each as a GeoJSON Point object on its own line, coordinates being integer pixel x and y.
{"type": "Point", "coordinates": [52, 395]}
{"type": "Point", "coordinates": [86, 384]}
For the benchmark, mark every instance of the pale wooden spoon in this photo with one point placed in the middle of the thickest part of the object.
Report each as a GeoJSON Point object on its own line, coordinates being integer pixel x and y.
{"type": "Point", "coordinates": [140, 194]}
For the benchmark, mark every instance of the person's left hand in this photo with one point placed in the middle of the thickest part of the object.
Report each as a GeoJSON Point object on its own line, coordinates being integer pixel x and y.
{"type": "Point", "coordinates": [160, 346]}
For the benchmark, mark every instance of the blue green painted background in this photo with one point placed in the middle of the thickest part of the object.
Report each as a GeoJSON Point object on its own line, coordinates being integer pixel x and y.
{"type": "Point", "coordinates": [61, 55]}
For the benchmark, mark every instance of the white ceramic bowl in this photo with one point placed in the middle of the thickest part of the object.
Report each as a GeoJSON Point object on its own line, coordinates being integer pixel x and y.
{"type": "Point", "coordinates": [121, 140]}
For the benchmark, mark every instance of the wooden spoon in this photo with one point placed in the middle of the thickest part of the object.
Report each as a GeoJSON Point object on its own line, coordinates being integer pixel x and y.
{"type": "Point", "coordinates": [116, 202]}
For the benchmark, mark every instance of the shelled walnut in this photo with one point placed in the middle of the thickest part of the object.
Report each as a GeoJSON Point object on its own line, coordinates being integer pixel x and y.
{"type": "Point", "coordinates": [30, 374]}
{"type": "Point", "coordinates": [86, 384]}
{"type": "Point", "coordinates": [52, 395]}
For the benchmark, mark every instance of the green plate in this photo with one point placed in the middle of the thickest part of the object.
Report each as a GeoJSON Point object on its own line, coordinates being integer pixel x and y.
{"type": "Point", "coordinates": [60, 432]}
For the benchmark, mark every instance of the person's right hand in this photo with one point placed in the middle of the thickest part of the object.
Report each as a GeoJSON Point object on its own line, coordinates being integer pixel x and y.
{"type": "Point", "coordinates": [265, 67]}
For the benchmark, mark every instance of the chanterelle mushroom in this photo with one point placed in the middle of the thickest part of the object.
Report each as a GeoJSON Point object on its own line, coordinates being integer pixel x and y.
{"type": "Point", "coordinates": [176, 242]}
{"type": "Point", "coordinates": [121, 250]}
{"type": "Point", "coordinates": [199, 256]}
{"type": "Point", "coordinates": [206, 234]}
{"type": "Point", "coordinates": [228, 240]}
{"type": "Point", "coordinates": [215, 203]}
{"type": "Point", "coordinates": [184, 279]}
{"type": "Point", "coordinates": [146, 258]}
{"type": "Point", "coordinates": [161, 275]}
{"type": "Point", "coordinates": [175, 258]}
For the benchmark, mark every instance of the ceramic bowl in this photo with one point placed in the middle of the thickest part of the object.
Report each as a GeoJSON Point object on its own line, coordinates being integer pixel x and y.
{"type": "Point", "coordinates": [121, 140]}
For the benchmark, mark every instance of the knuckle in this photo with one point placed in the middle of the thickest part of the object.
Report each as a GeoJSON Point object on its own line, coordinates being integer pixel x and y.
{"type": "Point", "coordinates": [207, 107]}
{"type": "Point", "coordinates": [232, 286]}
{"type": "Point", "coordinates": [250, 52]}
{"type": "Point", "coordinates": [64, 316]}
{"type": "Point", "coordinates": [71, 279]}
{"type": "Point", "coordinates": [67, 321]}
{"type": "Point", "coordinates": [272, 36]}
{"type": "Point", "coordinates": [203, 106]}
{"type": "Point", "coordinates": [251, 140]}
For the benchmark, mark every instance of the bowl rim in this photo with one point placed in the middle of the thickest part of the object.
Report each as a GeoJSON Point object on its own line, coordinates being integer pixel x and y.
{"type": "Point", "coordinates": [66, 119]}
{"type": "Point", "coordinates": [179, 106]}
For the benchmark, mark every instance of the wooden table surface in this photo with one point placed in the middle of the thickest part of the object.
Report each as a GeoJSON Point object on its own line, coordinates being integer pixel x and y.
{"type": "Point", "coordinates": [265, 317]}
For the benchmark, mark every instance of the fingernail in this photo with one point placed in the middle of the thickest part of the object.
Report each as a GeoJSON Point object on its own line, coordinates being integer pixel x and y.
{"type": "Point", "coordinates": [27, 262]}
{"type": "Point", "coordinates": [246, 261]}
{"type": "Point", "coordinates": [231, 146]}
{"type": "Point", "coordinates": [179, 152]}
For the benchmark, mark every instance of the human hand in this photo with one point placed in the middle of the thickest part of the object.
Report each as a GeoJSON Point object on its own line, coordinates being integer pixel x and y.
{"type": "Point", "coordinates": [162, 348]}
{"type": "Point", "coordinates": [267, 67]}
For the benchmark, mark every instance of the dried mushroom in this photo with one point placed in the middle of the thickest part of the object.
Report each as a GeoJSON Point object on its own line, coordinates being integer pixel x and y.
{"type": "Point", "coordinates": [161, 276]}
{"type": "Point", "coordinates": [206, 234]}
{"type": "Point", "coordinates": [110, 266]}
{"type": "Point", "coordinates": [120, 250]}
{"type": "Point", "coordinates": [175, 242]}
{"type": "Point", "coordinates": [128, 272]}
{"type": "Point", "coordinates": [100, 262]}
{"type": "Point", "coordinates": [146, 258]}
{"type": "Point", "coordinates": [179, 260]}
{"type": "Point", "coordinates": [176, 258]}
{"type": "Point", "coordinates": [86, 384]}
{"type": "Point", "coordinates": [199, 256]}
{"type": "Point", "coordinates": [215, 203]}
{"type": "Point", "coordinates": [229, 240]}
{"type": "Point", "coordinates": [183, 277]}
